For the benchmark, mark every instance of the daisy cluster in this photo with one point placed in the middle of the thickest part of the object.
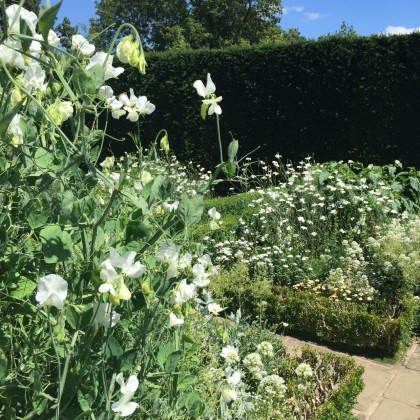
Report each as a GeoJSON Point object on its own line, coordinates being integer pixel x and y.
{"type": "Point", "coordinates": [300, 216]}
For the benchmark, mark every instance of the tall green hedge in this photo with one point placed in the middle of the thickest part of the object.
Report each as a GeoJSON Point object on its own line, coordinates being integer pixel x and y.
{"type": "Point", "coordinates": [336, 99]}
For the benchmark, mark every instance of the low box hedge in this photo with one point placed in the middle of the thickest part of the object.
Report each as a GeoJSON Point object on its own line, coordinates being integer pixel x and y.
{"type": "Point", "coordinates": [346, 324]}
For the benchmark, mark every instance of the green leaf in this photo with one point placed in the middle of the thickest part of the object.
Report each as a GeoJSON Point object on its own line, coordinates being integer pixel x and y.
{"type": "Point", "coordinates": [233, 149]}
{"type": "Point", "coordinates": [7, 118]}
{"type": "Point", "coordinates": [229, 169]}
{"type": "Point", "coordinates": [3, 241]}
{"type": "Point", "coordinates": [186, 381]}
{"type": "Point", "coordinates": [3, 370]}
{"type": "Point", "coordinates": [172, 360]}
{"type": "Point", "coordinates": [25, 287]}
{"type": "Point", "coordinates": [56, 244]}
{"type": "Point", "coordinates": [154, 192]}
{"type": "Point", "coordinates": [323, 176]}
{"type": "Point", "coordinates": [47, 16]}
{"type": "Point", "coordinates": [113, 349]}
{"type": "Point", "coordinates": [414, 183]}
{"type": "Point", "coordinates": [127, 360]}
{"type": "Point", "coordinates": [39, 214]}
{"type": "Point", "coordinates": [137, 230]}
{"type": "Point", "coordinates": [72, 317]}
{"type": "Point", "coordinates": [87, 82]}
{"type": "Point", "coordinates": [163, 354]}
{"type": "Point", "coordinates": [194, 404]}
{"type": "Point", "coordinates": [85, 400]}
{"type": "Point", "coordinates": [189, 345]}
{"type": "Point", "coordinates": [190, 209]}
{"type": "Point", "coordinates": [43, 158]}
{"type": "Point", "coordinates": [24, 30]}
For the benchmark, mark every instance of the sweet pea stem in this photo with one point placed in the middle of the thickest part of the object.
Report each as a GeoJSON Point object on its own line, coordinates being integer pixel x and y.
{"type": "Point", "coordinates": [219, 139]}
{"type": "Point", "coordinates": [57, 410]}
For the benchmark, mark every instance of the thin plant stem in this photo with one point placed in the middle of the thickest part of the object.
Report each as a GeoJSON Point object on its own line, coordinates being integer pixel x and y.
{"type": "Point", "coordinates": [57, 410]}
{"type": "Point", "coordinates": [219, 139]}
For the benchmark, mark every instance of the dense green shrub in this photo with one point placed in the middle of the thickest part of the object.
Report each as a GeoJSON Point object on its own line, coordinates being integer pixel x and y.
{"type": "Point", "coordinates": [348, 324]}
{"type": "Point", "coordinates": [356, 96]}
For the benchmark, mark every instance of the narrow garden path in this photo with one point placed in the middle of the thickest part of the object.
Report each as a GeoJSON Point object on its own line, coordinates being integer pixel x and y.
{"type": "Point", "coordinates": [392, 392]}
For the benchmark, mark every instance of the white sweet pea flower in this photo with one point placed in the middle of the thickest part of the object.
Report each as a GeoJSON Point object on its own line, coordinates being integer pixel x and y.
{"type": "Point", "coordinates": [183, 293]}
{"type": "Point", "coordinates": [114, 280]}
{"type": "Point", "coordinates": [174, 321]}
{"type": "Point", "coordinates": [171, 207]}
{"type": "Point", "coordinates": [185, 261]}
{"type": "Point", "coordinates": [34, 78]}
{"type": "Point", "coordinates": [125, 407]}
{"type": "Point", "coordinates": [16, 130]}
{"type": "Point", "coordinates": [52, 291]}
{"type": "Point", "coordinates": [14, 17]}
{"type": "Point", "coordinates": [107, 95]}
{"type": "Point", "coordinates": [214, 214]}
{"type": "Point", "coordinates": [234, 379]}
{"type": "Point", "coordinates": [9, 56]}
{"type": "Point", "coordinates": [169, 254]}
{"type": "Point", "coordinates": [210, 101]}
{"type": "Point", "coordinates": [102, 316]}
{"type": "Point", "coordinates": [214, 105]}
{"type": "Point", "coordinates": [136, 106]}
{"type": "Point", "coordinates": [53, 39]}
{"type": "Point", "coordinates": [205, 91]}
{"type": "Point", "coordinates": [126, 263]}
{"type": "Point", "coordinates": [79, 42]}
{"type": "Point", "coordinates": [110, 71]}
{"type": "Point", "coordinates": [201, 277]}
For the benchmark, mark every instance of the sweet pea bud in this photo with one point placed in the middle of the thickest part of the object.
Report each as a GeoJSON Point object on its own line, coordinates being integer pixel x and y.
{"type": "Point", "coordinates": [56, 88]}
{"type": "Point", "coordinates": [145, 288]}
{"type": "Point", "coordinates": [134, 55]}
{"type": "Point", "coordinates": [16, 96]}
{"type": "Point", "coordinates": [124, 48]}
{"type": "Point", "coordinates": [164, 144]}
{"type": "Point", "coordinates": [60, 111]}
{"type": "Point", "coordinates": [142, 63]}
{"type": "Point", "coordinates": [114, 299]}
{"type": "Point", "coordinates": [177, 310]}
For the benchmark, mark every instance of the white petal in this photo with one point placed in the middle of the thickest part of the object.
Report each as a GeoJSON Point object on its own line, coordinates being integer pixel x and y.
{"type": "Point", "coordinates": [174, 321]}
{"type": "Point", "coordinates": [217, 109]}
{"type": "Point", "coordinates": [107, 288]}
{"type": "Point", "coordinates": [201, 90]}
{"type": "Point", "coordinates": [210, 87]}
{"type": "Point", "coordinates": [120, 380]}
{"type": "Point", "coordinates": [124, 99]}
{"type": "Point", "coordinates": [108, 272]}
{"type": "Point", "coordinates": [121, 261]}
{"type": "Point", "coordinates": [135, 271]}
{"type": "Point", "coordinates": [128, 409]}
{"type": "Point", "coordinates": [52, 291]}
{"type": "Point", "coordinates": [132, 384]}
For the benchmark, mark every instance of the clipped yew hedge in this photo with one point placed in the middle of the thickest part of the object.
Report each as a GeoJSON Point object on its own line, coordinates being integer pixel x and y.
{"type": "Point", "coordinates": [335, 99]}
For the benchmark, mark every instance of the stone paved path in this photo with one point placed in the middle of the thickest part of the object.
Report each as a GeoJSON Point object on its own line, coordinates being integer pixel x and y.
{"type": "Point", "coordinates": [392, 392]}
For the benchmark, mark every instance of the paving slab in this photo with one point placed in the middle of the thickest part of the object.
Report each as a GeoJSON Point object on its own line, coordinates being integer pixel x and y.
{"type": "Point", "coordinates": [405, 388]}
{"type": "Point", "coordinates": [414, 360]}
{"type": "Point", "coordinates": [376, 378]}
{"type": "Point", "coordinates": [392, 410]}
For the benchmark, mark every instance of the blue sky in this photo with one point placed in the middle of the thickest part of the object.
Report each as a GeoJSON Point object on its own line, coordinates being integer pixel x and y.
{"type": "Point", "coordinates": [312, 17]}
